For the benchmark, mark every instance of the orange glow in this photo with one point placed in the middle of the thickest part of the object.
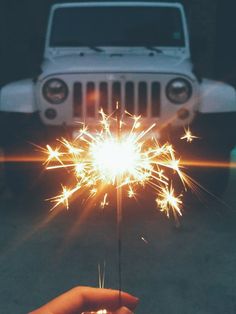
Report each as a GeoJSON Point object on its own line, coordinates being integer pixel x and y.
{"type": "Point", "coordinates": [97, 159]}
{"type": "Point", "coordinates": [189, 163]}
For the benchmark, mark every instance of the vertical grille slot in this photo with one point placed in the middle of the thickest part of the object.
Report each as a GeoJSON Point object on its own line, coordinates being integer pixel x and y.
{"type": "Point", "coordinates": [156, 99]}
{"type": "Point", "coordinates": [116, 94]}
{"type": "Point", "coordinates": [90, 100]}
{"type": "Point", "coordinates": [129, 97]}
{"type": "Point", "coordinates": [142, 99]}
{"type": "Point", "coordinates": [103, 96]}
{"type": "Point", "coordinates": [139, 97]}
{"type": "Point", "coordinates": [78, 100]}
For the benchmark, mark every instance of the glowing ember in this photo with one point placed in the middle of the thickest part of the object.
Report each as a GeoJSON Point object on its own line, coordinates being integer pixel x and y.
{"type": "Point", "coordinates": [167, 201]}
{"type": "Point", "coordinates": [98, 160]}
{"type": "Point", "coordinates": [52, 154]}
{"type": "Point", "coordinates": [188, 136]}
{"type": "Point", "coordinates": [104, 202]}
{"type": "Point", "coordinates": [144, 240]}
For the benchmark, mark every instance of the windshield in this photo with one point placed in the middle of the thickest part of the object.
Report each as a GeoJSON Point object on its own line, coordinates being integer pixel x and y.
{"type": "Point", "coordinates": [117, 26]}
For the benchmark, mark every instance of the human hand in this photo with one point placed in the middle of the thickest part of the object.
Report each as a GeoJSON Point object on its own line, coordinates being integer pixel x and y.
{"type": "Point", "coordinates": [86, 299]}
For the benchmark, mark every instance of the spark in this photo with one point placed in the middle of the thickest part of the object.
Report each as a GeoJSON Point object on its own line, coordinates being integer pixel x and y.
{"type": "Point", "coordinates": [93, 192]}
{"type": "Point", "coordinates": [71, 149]}
{"type": "Point", "coordinates": [53, 154]}
{"type": "Point", "coordinates": [101, 275]}
{"type": "Point", "coordinates": [63, 198]}
{"type": "Point", "coordinates": [167, 201]}
{"type": "Point", "coordinates": [144, 240]}
{"type": "Point", "coordinates": [98, 159]}
{"type": "Point", "coordinates": [188, 136]}
{"type": "Point", "coordinates": [131, 192]}
{"type": "Point", "coordinates": [104, 202]}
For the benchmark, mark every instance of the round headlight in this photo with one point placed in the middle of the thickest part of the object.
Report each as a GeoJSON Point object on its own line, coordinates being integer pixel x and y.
{"type": "Point", "coordinates": [55, 91]}
{"type": "Point", "coordinates": [179, 91]}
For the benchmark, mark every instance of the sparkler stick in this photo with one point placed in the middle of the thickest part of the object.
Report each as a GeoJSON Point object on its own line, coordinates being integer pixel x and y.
{"type": "Point", "coordinates": [119, 208]}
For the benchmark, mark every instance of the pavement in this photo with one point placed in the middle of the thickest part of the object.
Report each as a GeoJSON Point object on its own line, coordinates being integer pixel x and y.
{"type": "Point", "coordinates": [190, 269]}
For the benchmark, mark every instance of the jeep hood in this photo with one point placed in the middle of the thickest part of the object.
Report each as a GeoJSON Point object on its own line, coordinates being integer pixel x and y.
{"type": "Point", "coordinates": [117, 63]}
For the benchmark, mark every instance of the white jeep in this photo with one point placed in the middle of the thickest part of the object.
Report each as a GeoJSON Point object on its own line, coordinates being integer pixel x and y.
{"type": "Point", "coordinates": [136, 53]}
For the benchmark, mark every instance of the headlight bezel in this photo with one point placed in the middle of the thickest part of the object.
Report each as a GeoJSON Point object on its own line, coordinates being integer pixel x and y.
{"type": "Point", "coordinates": [45, 91]}
{"type": "Point", "coordinates": [189, 91]}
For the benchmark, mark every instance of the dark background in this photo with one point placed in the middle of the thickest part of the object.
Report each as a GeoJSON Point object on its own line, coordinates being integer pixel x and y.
{"type": "Point", "coordinates": [23, 27]}
{"type": "Point", "coordinates": [181, 270]}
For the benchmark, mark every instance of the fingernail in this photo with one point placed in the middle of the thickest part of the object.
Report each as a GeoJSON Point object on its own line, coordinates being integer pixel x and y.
{"type": "Point", "coordinates": [135, 298]}
{"type": "Point", "coordinates": [124, 310]}
{"type": "Point", "coordinates": [136, 301]}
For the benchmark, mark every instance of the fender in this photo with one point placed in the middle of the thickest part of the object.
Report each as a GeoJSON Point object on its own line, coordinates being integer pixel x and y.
{"type": "Point", "coordinates": [216, 97]}
{"type": "Point", "coordinates": [18, 97]}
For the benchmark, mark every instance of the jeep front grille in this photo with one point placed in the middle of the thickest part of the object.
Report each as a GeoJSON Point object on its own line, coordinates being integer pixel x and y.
{"type": "Point", "coordinates": [137, 97]}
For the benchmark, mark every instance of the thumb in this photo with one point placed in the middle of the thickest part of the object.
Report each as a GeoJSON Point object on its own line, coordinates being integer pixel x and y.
{"type": "Point", "coordinates": [123, 310]}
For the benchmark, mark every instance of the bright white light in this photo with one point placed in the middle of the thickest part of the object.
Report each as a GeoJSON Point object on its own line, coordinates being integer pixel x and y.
{"type": "Point", "coordinates": [113, 158]}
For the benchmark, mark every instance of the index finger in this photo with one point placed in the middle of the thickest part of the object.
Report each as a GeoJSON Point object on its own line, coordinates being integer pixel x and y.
{"type": "Point", "coordinates": [95, 299]}
{"type": "Point", "coordinates": [82, 299]}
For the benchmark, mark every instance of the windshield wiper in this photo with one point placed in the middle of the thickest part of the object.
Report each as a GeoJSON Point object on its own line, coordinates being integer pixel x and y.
{"type": "Point", "coordinates": [154, 49]}
{"type": "Point", "coordinates": [94, 48]}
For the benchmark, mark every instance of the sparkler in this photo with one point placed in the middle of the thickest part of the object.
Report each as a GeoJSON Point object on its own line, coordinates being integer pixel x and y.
{"type": "Point", "coordinates": [122, 156]}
